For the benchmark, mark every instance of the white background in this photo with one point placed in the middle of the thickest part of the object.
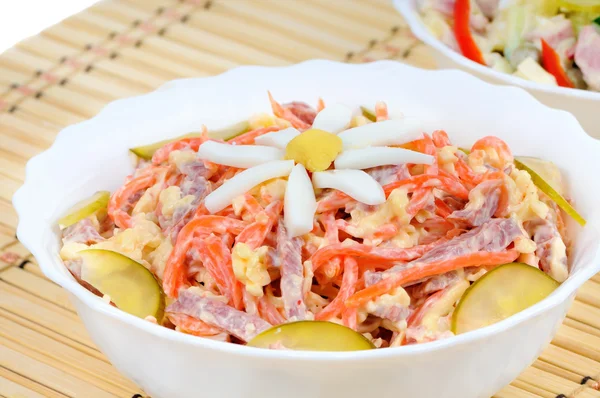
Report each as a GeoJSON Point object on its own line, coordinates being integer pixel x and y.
{"type": "Point", "coordinates": [20, 19]}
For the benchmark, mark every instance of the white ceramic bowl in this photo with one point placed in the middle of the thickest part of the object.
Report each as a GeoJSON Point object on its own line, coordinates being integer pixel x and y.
{"type": "Point", "coordinates": [583, 104]}
{"type": "Point", "coordinates": [93, 155]}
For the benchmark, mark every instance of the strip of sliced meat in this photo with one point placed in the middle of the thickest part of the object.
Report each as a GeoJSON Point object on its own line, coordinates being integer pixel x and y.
{"type": "Point", "coordinates": [216, 313]}
{"type": "Point", "coordinates": [493, 236]}
{"type": "Point", "coordinates": [483, 203]}
{"type": "Point", "coordinates": [289, 251]}
{"type": "Point", "coordinates": [302, 111]}
{"type": "Point", "coordinates": [387, 174]}
{"type": "Point", "coordinates": [83, 231]}
{"type": "Point", "coordinates": [435, 284]}
{"type": "Point", "coordinates": [551, 251]}
{"type": "Point", "coordinates": [587, 56]}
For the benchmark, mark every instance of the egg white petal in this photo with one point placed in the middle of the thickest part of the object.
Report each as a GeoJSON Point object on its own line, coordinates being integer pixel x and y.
{"type": "Point", "coordinates": [242, 156]}
{"type": "Point", "coordinates": [299, 205]}
{"type": "Point", "coordinates": [388, 132]}
{"type": "Point", "coordinates": [241, 183]}
{"type": "Point", "coordinates": [333, 118]}
{"type": "Point", "coordinates": [278, 139]}
{"type": "Point", "coordinates": [355, 183]}
{"type": "Point", "coordinates": [379, 156]}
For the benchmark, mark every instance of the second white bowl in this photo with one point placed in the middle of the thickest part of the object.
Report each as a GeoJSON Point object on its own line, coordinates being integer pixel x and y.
{"type": "Point", "coordinates": [585, 105]}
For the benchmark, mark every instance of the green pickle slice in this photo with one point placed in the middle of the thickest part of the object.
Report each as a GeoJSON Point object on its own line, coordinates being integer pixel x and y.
{"type": "Point", "coordinates": [312, 336]}
{"type": "Point", "coordinates": [129, 284]}
{"type": "Point", "coordinates": [543, 174]}
{"type": "Point", "coordinates": [85, 208]}
{"type": "Point", "coordinates": [580, 5]}
{"type": "Point", "coordinates": [499, 294]}
{"type": "Point", "coordinates": [227, 133]}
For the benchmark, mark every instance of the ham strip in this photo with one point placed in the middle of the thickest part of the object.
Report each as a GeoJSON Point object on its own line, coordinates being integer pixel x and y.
{"type": "Point", "coordinates": [551, 251]}
{"type": "Point", "coordinates": [587, 56]}
{"type": "Point", "coordinates": [493, 236]}
{"type": "Point", "coordinates": [83, 231]}
{"type": "Point", "coordinates": [216, 313]}
{"type": "Point", "coordinates": [483, 203]}
{"type": "Point", "coordinates": [289, 251]}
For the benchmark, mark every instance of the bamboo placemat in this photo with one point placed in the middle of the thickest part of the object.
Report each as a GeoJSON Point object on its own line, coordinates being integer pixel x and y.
{"type": "Point", "coordinates": [120, 48]}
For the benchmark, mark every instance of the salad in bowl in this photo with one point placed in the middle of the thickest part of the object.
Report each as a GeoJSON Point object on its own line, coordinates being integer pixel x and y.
{"type": "Point", "coordinates": [330, 214]}
{"type": "Point", "coordinates": [303, 247]}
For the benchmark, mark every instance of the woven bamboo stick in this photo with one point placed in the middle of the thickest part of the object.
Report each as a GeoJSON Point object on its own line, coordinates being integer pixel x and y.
{"type": "Point", "coordinates": [122, 11]}
{"type": "Point", "coordinates": [99, 87]}
{"type": "Point", "coordinates": [28, 130]}
{"type": "Point", "coordinates": [533, 389]}
{"type": "Point", "coordinates": [333, 23]}
{"type": "Point", "coordinates": [514, 392]}
{"type": "Point", "coordinates": [13, 389]}
{"type": "Point", "coordinates": [6, 239]}
{"type": "Point", "coordinates": [8, 215]}
{"type": "Point", "coordinates": [557, 370]}
{"type": "Point", "coordinates": [166, 67]}
{"type": "Point", "coordinates": [71, 36]}
{"type": "Point", "coordinates": [131, 73]}
{"type": "Point", "coordinates": [582, 327]}
{"type": "Point", "coordinates": [11, 142]}
{"type": "Point", "coordinates": [96, 22]}
{"type": "Point", "coordinates": [362, 11]}
{"type": "Point", "coordinates": [201, 60]}
{"type": "Point", "coordinates": [14, 383]}
{"type": "Point", "coordinates": [45, 314]}
{"type": "Point", "coordinates": [47, 374]}
{"type": "Point", "coordinates": [229, 49]}
{"type": "Point", "coordinates": [19, 60]}
{"type": "Point", "coordinates": [547, 381]}
{"type": "Point", "coordinates": [579, 342]}
{"type": "Point", "coordinates": [66, 340]}
{"type": "Point", "coordinates": [75, 60]}
{"type": "Point", "coordinates": [585, 313]}
{"type": "Point", "coordinates": [285, 24]}
{"type": "Point", "coordinates": [9, 76]}
{"type": "Point", "coordinates": [256, 36]}
{"type": "Point", "coordinates": [584, 392]}
{"type": "Point", "coordinates": [48, 48]}
{"type": "Point", "coordinates": [570, 361]}
{"type": "Point", "coordinates": [71, 361]}
{"type": "Point", "coordinates": [589, 293]}
{"type": "Point", "coordinates": [8, 187]}
{"type": "Point", "coordinates": [11, 165]}
{"type": "Point", "coordinates": [153, 5]}
{"type": "Point", "coordinates": [19, 293]}
{"type": "Point", "coordinates": [125, 67]}
{"type": "Point", "coordinates": [49, 112]}
{"type": "Point", "coordinates": [39, 287]}
{"type": "Point", "coordinates": [383, 5]}
{"type": "Point", "coordinates": [144, 58]}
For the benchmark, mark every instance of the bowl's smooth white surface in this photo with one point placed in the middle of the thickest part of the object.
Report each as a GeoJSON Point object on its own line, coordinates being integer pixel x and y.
{"type": "Point", "coordinates": [93, 155]}
{"type": "Point", "coordinates": [583, 104]}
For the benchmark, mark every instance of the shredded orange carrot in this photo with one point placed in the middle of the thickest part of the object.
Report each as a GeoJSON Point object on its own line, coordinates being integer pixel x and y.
{"type": "Point", "coordinates": [346, 290]}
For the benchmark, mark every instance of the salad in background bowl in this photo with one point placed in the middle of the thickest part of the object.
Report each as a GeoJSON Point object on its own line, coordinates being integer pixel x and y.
{"type": "Point", "coordinates": [549, 47]}
{"type": "Point", "coordinates": [167, 363]}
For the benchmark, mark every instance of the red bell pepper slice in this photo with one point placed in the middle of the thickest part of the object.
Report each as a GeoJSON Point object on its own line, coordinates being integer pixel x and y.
{"type": "Point", "coordinates": [462, 31]}
{"type": "Point", "coordinates": [551, 62]}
